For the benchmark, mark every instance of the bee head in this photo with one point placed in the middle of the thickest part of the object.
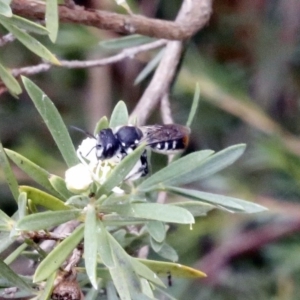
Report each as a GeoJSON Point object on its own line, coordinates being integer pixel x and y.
{"type": "Point", "coordinates": [107, 144]}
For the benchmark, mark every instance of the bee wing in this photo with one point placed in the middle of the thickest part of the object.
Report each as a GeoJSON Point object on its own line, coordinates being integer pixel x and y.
{"type": "Point", "coordinates": [167, 138]}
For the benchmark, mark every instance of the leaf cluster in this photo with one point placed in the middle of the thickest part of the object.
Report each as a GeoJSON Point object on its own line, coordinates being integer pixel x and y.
{"type": "Point", "coordinates": [104, 234]}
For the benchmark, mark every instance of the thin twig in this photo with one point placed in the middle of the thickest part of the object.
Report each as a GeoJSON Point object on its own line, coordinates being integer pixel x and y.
{"type": "Point", "coordinates": [126, 53]}
{"type": "Point", "coordinates": [8, 38]}
{"type": "Point", "coordinates": [165, 110]}
{"type": "Point", "coordinates": [215, 262]}
{"type": "Point", "coordinates": [126, 24]}
{"type": "Point", "coordinates": [194, 13]}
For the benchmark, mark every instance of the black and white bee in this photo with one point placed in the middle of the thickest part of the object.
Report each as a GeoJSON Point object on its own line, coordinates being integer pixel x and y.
{"type": "Point", "coordinates": [119, 142]}
{"type": "Point", "coordinates": [115, 144]}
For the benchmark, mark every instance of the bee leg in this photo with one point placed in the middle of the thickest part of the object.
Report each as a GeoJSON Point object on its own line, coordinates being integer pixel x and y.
{"type": "Point", "coordinates": [140, 169]}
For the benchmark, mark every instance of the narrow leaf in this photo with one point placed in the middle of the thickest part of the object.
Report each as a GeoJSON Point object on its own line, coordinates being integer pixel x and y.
{"type": "Point", "coordinates": [196, 208]}
{"type": "Point", "coordinates": [210, 166]}
{"type": "Point", "coordinates": [8, 174]}
{"type": "Point", "coordinates": [15, 254]}
{"type": "Point", "coordinates": [145, 272]}
{"type": "Point", "coordinates": [22, 205]}
{"type": "Point", "coordinates": [39, 197]}
{"type": "Point", "coordinates": [119, 115]}
{"type": "Point", "coordinates": [156, 246]}
{"type": "Point", "coordinates": [231, 203]}
{"type": "Point", "coordinates": [125, 278]}
{"type": "Point", "coordinates": [168, 252]}
{"type": "Point", "coordinates": [125, 42]}
{"type": "Point", "coordinates": [51, 18]}
{"type": "Point", "coordinates": [5, 9]}
{"type": "Point", "coordinates": [38, 174]}
{"type": "Point", "coordinates": [176, 169]}
{"type": "Point", "coordinates": [194, 107]}
{"type": "Point", "coordinates": [55, 258]}
{"type": "Point", "coordinates": [47, 219]}
{"type": "Point", "coordinates": [153, 211]}
{"type": "Point", "coordinates": [119, 173]}
{"type": "Point", "coordinates": [79, 201]}
{"type": "Point", "coordinates": [28, 41]}
{"type": "Point", "coordinates": [91, 245]}
{"type": "Point", "coordinates": [104, 248]}
{"type": "Point", "coordinates": [6, 223]}
{"type": "Point", "coordinates": [60, 187]}
{"type": "Point", "coordinates": [151, 65]}
{"type": "Point", "coordinates": [157, 230]}
{"type": "Point", "coordinates": [5, 240]}
{"type": "Point", "coordinates": [176, 270]}
{"type": "Point", "coordinates": [48, 288]}
{"type": "Point", "coordinates": [27, 25]}
{"type": "Point", "coordinates": [7, 273]}
{"type": "Point", "coordinates": [53, 121]}
{"type": "Point", "coordinates": [101, 124]}
{"type": "Point", "coordinates": [146, 288]}
{"type": "Point", "coordinates": [10, 81]}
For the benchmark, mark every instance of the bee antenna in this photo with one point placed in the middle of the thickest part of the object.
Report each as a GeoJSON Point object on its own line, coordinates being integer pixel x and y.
{"type": "Point", "coordinates": [83, 131]}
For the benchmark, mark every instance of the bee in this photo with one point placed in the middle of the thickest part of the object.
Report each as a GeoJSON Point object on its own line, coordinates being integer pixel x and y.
{"type": "Point", "coordinates": [119, 142]}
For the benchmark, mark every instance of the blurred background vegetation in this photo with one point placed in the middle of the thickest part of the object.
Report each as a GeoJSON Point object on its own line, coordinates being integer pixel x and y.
{"type": "Point", "coordinates": [246, 61]}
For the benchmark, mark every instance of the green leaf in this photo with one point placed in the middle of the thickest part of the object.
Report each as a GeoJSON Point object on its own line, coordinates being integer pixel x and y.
{"type": "Point", "coordinates": [60, 187]}
{"type": "Point", "coordinates": [111, 291]}
{"type": "Point", "coordinates": [156, 246]}
{"type": "Point", "coordinates": [53, 121]}
{"type": "Point", "coordinates": [194, 106]}
{"type": "Point", "coordinates": [175, 270]}
{"type": "Point", "coordinates": [119, 115]}
{"type": "Point", "coordinates": [38, 174]}
{"type": "Point", "coordinates": [28, 41]}
{"type": "Point", "coordinates": [123, 274]}
{"type": "Point", "coordinates": [152, 211]}
{"type": "Point", "coordinates": [6, 223]}
{"type": "Point", "coordinates": [22, 205]}
{"type": "Point", "coordinates": [9, 80]}
{"type": "Point", "coordinates": [151, 65]}
{"type": "Point", "coordinates": [5, 240]}
{"type": "Point", "coordinates": [168, 252]}
{"type": "Point", "coordinates": [91, 244]}
{"type": "Point", "coordinates": [5, 9]}
{"type": "Point", "coordinates": [147, 289]}
{"type": "Point", "coordinates": [8, 174]}
{"type": "Point", "coordinates": [210, 166]}
{"type": "Point", "coordinates": [230, 203]}
{"type": "Point", "coordinates": [48, 288]}
{"type": "Point", "coordinates": [78, 201]}
{"type": "Point", "coordinates": [176, 170]}
{"type": "Point", "coordinates": [102, 123]}
{"type": "Point", "coordinates": [7, 273]}
{"type": "Point", "coordinates": [116, 220]}
{"type": "Point", "coordinates": [126, 42]}
{"type": "Point", "coordinates": [27, 25]}
{"type": "Point", "coordinates": [47, 219]}
{"type": "Point", "coordinates": [196, 208]}
{"type": "Point", "coordinates": [55, 258]}
{"type": "Point", "coordinates": [104, 248]}
{"type": "Point", "coordinates": [119, 173]}
{"type": "Point", "coordinates": [51, 17]}
{"type": "Point", "coordinates": [157, 230]}
{"type": "Point", "coordinates": [145, 272]}
{"type": "Point", "coordinates": [39, 197]}
{"type": "Point", "coordinates": [15, 254]}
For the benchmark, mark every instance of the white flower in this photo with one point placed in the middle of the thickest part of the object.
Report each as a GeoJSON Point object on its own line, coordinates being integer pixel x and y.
{"type": "Point", "coordinates": [87, 150]}
{"type": "Point", "coordinates": [78, 178]}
